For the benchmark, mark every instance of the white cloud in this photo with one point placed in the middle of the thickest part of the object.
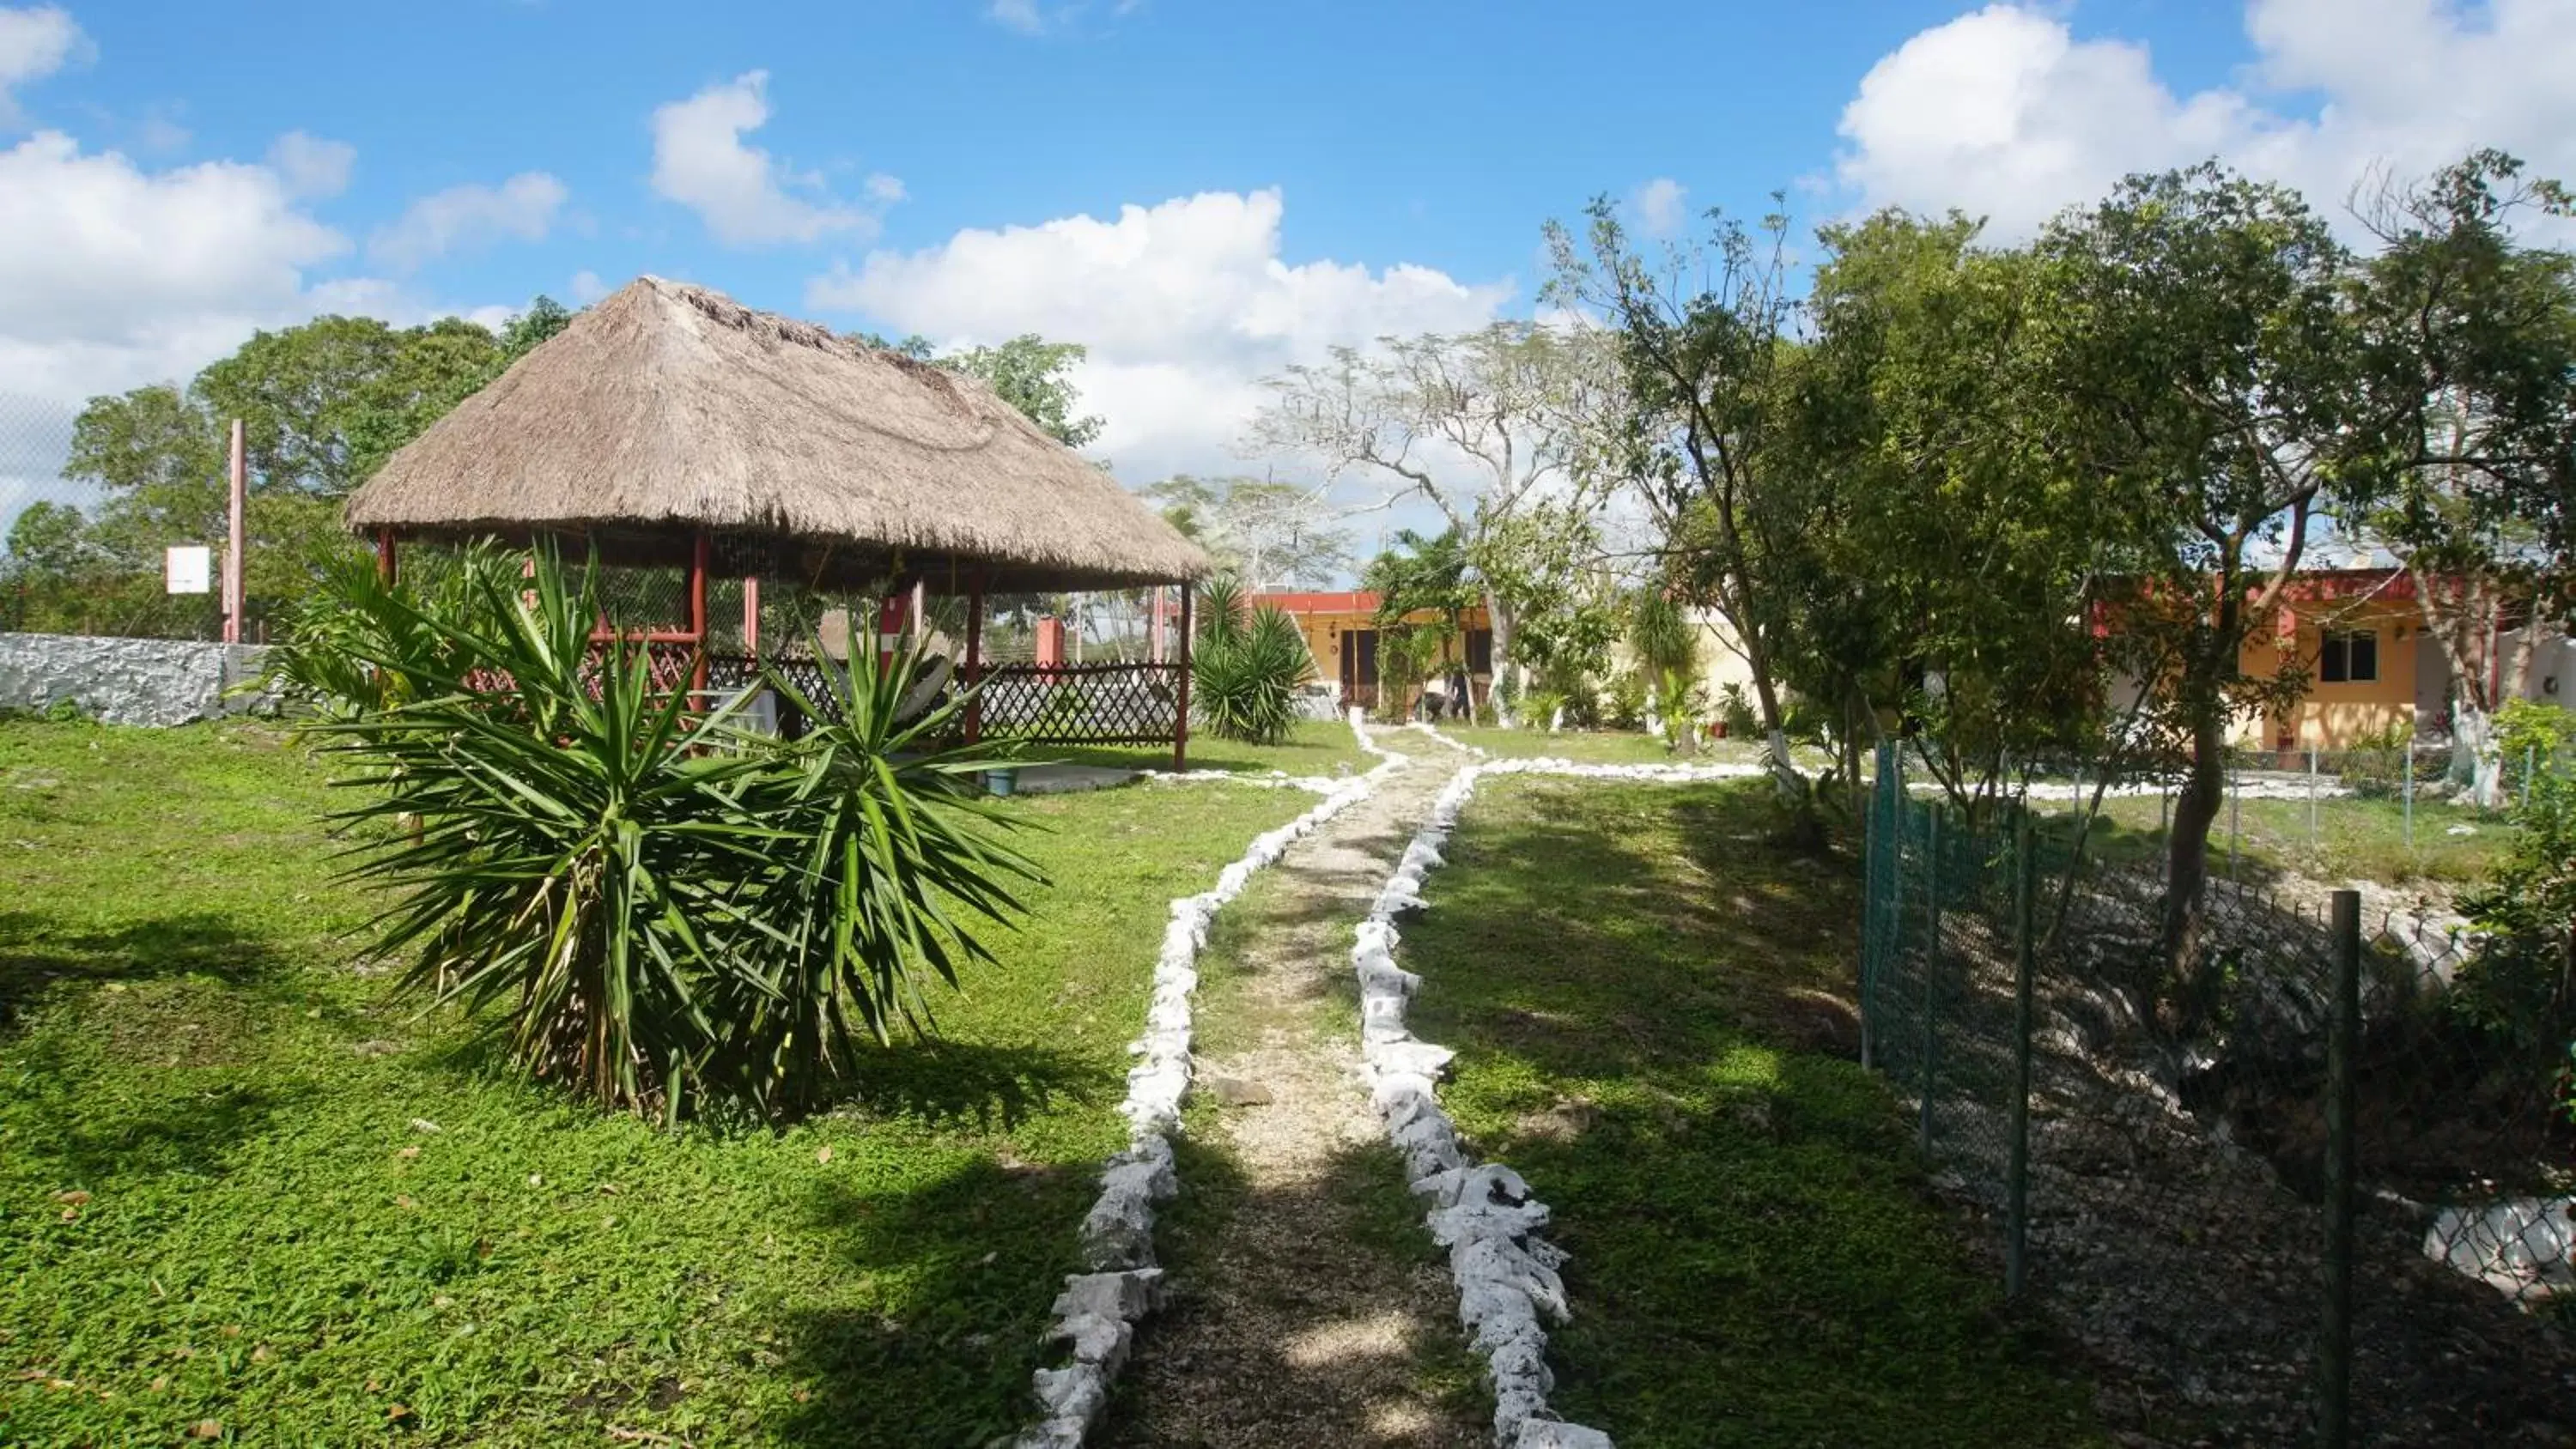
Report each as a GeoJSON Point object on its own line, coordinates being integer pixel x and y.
{"type": "Point", "coordinates": [885, 190]}
{"type": "Point", "coordinates": [1023, 16]}
{"type": "Point", "coordinates": [745, 196]}
{"type": "Point", "coordinates": [2005, 112]}
{"type": "Point", "coordinates": [1661, 207]}
{"type": "Point", "coordinates": [34, 43]}
{"type": "Point", "coordinates": [522, 208]}
{"type": "Point", "coordinates": [110, 275]}
{"type": "Point", "coordinates": [1185, 307]}
{"type": "Point", "coordinates": [311, 166]}
{"type": "Point", "coordinates": [587, 287]}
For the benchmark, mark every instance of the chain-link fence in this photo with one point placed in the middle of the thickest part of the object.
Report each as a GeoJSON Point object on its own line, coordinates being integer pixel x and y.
{"type": "Point", "coordinates": [2283, 1182]}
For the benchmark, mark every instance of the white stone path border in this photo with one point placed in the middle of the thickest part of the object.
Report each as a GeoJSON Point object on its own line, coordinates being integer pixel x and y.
{"type": "Point", "coordinates": [1484, 1214]}
{"type": "Point", "coordinates": [1098, 1311]}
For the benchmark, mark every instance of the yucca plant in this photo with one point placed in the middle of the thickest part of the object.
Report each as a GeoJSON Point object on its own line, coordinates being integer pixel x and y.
{"type": "Point", "coordinates": [1244, 675]}
{"type": "Point", "coordinates": [654, 902]}
{"type": "Point", "coordinates": [360, 644]}
{"type": "Point", "coordinates": [886, 864]}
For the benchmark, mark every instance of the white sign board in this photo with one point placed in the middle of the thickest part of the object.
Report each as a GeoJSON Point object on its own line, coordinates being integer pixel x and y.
{"type": "Point", "coordinates": [189, 569]}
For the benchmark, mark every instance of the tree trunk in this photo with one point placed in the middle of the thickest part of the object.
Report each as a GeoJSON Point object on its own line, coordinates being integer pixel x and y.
{"type": "Point", "coordinates": [2476, 759]}
{"type": "Point", "coordinates": [1775, 738]}
{"type": "Point", "coordinates": [1498, 622]}
{"type": "Point", "coordinates": [2186, 908]}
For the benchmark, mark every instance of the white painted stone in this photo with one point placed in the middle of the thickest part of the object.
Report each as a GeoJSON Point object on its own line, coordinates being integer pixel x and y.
{"type": "Point", "coordinates": [1550, 1434]}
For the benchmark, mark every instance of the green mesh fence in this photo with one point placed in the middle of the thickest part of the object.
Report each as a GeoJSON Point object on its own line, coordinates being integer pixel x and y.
{"type": "Point", "coordinates": [2150, 1147]}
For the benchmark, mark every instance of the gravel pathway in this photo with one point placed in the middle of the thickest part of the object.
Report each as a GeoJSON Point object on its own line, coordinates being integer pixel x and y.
{"type": "Point", "coordinates": [1284, 1330]}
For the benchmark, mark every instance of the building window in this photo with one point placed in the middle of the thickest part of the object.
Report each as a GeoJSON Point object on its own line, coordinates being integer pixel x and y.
{"type": "Point", "coordinates": [2349, 658]}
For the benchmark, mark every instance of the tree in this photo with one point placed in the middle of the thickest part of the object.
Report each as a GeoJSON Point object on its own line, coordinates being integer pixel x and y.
{"type": "Point", "coordinates": [1029, 373]}
{"type": "Point", "coordinates": [1270, 534]}
{"type": "Point", "coordinates": [322, 404]}
{"type": "Point", "coordinates": [2209, 370]}
{"type": "Point", "coordinates": [2473, 344]}
{"type": "Point", "coordinates": [1700, 342]}
{"type": "Point", "coordinates": [1950, 565]}
{"type": "Point", "coordinates": [1480, 426]}
{"type": "Point", "coordinates": [1417, 575]}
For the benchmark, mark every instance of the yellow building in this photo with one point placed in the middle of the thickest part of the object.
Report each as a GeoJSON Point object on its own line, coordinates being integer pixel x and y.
{"type": "Point", "coordinates": [1341, 632]}
{"type": "Point", "coordinates": [2359, 636]}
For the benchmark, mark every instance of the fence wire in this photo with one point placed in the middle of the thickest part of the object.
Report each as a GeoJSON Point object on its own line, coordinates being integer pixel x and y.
{"type": "Point", "coordinates": [2154, 1154]}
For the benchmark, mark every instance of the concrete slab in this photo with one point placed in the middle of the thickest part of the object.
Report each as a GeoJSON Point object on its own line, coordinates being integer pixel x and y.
{"type": "Point", "coordinates": [1071, 779]}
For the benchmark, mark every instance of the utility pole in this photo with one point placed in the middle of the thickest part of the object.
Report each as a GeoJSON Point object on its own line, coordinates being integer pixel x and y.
{"type": "Point", "coordinates": [234, 540]}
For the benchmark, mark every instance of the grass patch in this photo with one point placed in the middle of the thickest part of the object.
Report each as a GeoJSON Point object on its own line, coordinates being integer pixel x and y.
{"type": "Point", "coordinates": [2352, 838]}
{"type": "Point", "coordinates": [1652, 1008]}
{"type": "Point", "coordinates": [1313, 747]}
{"type": "Point", "coordinates": [1591, 747]}
{"type": "Point", "coordinates": [217, 1203]}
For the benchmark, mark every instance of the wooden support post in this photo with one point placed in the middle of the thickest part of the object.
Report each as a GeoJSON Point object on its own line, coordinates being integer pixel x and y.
{"type": "Point", "coordinates": [975, 656]}
{"type": "Point", "coordinates": [751, 617]}
{"type": "Point", "coordinates": [236, 535]}
{"type": "Point", "coordinates": [1181, 718]}
{"type": "Point", "coordinates": [386, 567]}
{"type": "Point", "coordinates": [698, 616]}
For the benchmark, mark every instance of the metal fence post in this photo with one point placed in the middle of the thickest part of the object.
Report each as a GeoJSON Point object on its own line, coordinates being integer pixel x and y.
{"type": "Point", "coordinates": [1931, 964]}
{"type": "Point", "coordinates": [2235, 815]}
{"type": "Point", "coordinates": [2025, 956]}
{"type": "Point", "coordinates": [2410, 793]}
{"type": "Point", "coordinates": [2343, 1041]}
{"type": "Point", "coordinates": [2314, 844]}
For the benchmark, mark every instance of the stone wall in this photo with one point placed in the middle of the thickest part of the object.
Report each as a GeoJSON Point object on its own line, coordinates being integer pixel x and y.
{"type": "Point", "coordinates": [127, 681]}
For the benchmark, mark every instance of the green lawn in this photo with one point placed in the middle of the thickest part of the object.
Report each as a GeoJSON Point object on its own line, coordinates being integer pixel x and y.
{"type": "Point", "coordinates": [1651, 1004]}
{"type": "Point", "coordinates": [1603, 747]}
{"type": "Point", "coordinates": [1314, 747]}
{"type": "Point", "coordinates": [2352, 837]}
{"type": "Point", "coordinates": [237, 1188]}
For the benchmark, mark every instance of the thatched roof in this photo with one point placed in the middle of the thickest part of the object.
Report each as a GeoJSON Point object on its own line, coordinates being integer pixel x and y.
{"type": "Point", "coordinates": [667, 408]}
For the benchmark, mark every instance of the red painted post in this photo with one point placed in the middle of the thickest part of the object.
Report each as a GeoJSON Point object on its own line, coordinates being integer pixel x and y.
{"type": "Point", "coordinates": [698, 616]}
{"type": "Point", "coordinates": [386, 568]}
{"type": "Point", "coordinates": [889, 632]}
{"type": "Point", "coordinates": [975, 655]}
{"type": "Point", "coordinates": [1181, 720]}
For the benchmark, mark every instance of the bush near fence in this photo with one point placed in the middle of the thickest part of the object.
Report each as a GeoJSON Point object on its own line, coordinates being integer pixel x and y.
{"type": "Point", "coordinates": [2170, 1198]}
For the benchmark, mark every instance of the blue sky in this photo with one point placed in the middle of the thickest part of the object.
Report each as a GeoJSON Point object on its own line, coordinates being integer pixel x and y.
{"type": "Point", "coordinates": [1203, 192]}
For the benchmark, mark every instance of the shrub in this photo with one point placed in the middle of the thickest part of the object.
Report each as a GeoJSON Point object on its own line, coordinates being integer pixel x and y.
{"type": "Point", "coordinates": [655, 903]}
{"type": "Point", "coordinates": [1244, 675]}
{"type": "Point", "coordinates": [2517, 985]}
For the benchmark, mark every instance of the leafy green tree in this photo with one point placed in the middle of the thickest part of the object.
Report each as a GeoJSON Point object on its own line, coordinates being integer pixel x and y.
{"type": "Point", "coordinates": [1701, 340]}
{"type": "Point", "coordinates": [1030, 373]}
{"type": "Point", "coordinates": [2210, 374]}
{"type": "Point", "coordinates": [2472, 335]}
{"type": "Point", "coordinates": [1951, 564]}
{"type": "Point", "coordinates": [322, 404]}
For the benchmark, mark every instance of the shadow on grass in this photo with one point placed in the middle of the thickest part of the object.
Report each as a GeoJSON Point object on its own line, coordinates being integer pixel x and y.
{"type": "Point", "coordinates": [965, 1267]}
{"type": "Point", "coordinates": [1651, 1000]}
{"type": "Point", "coordinates": [98, 1134]}
{"type": "Point", "coordinates": [37, 954]}
{"type": "Point", "coordinates": [948, 1083]}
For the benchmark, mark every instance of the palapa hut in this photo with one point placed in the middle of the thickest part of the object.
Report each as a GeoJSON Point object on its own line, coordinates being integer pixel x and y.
{"type": "Point", "coordinates": [669, 425]}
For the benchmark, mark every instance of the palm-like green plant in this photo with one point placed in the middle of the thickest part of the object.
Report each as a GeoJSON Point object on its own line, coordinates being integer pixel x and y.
{"type": "Point", "coordinates": [1244, 674]}
{"type": "Point", "coordinates": [360, 643]}
{"type": "Point", "coordinates": [1667, 649]}
{"type": "Point", "coordinates": [655, 901]}
{"type": "Point", "coordinates": [878, 871]}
